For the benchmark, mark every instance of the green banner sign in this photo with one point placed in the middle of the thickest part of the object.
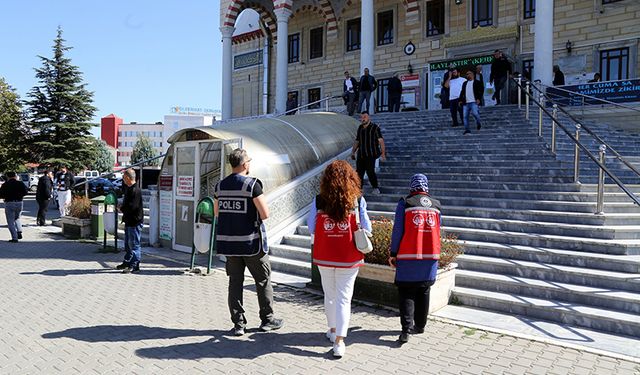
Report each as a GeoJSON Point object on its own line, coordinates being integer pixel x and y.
{"type": "Point", "coordinates": [469, 61]}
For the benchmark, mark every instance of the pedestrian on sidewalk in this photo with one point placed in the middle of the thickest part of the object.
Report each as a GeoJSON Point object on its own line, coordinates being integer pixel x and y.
{"type": "Point", "coordinates": [415, 250]}
{"type": "Point", "coordinates": [454, 84]}
{"type": "Point", "coordinates": [64, 184]}
{"type": "Point", "coordinates": [43, 195]}
{"type": "Point", "coordinates": [470, 95]}
{"type": "Point", "coordinates": [133, 217]}
{"type": "Point", "coordinates": [350, 93]}
{"type": "Point", "coordinates": [13, 191]}
{"type": "Point", "coordinates": [368, 146]}
{"type": "Point", "coordinates": [241, 208]}
{"type": "Point", "coordinates": [368, 84]}
{"type": "Point", "coordinates": [332, 223]}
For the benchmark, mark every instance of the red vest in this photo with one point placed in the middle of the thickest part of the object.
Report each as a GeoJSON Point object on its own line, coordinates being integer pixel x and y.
{"type": "Point", "coordinates": [421, 238]}
{"type": "Point", "coordinates": [333, 244]}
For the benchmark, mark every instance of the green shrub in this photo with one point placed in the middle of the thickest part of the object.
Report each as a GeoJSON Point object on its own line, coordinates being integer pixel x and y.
{"type": "Point", "coordinates": [381, 240]}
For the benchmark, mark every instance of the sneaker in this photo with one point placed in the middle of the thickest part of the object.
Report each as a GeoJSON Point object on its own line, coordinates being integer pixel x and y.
{"type": "Point", "coordinates": [331, 336]}
{"type": "Point", "coordinates": [404, 337]}
{"type": "Point", "coordinates": [339, 349]}
{"type": "Point", "coordinates": [19, 235]}
{"type": "Point", "coordinates": [238, 331]}
{"type": "Point", "coordinates": [122, 266]}
{"type": "Point", "coordinates": [479, 126]}
{"type": "Point", "coordinates": [131, 270]}
{"type": "Point", "coordinates": [271, 325]}
{"type": "Point", "coordinates": [466, 132]}
{"type": "Point", "coordinates": [417, 331]}
{"type": "Point", "coordinates": [13, 241]}
{"type": "Point", "coordinates": [375, 191]}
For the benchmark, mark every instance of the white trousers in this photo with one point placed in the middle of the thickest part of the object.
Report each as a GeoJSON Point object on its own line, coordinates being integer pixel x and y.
{"type": "Point", "coordinates": [64, 199]}
{"type": "Point", "coordinates": [337, 284]}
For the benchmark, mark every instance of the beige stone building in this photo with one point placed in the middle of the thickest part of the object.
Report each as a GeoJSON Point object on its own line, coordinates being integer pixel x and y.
{"type": "Point", "coordinates": [417, 39]}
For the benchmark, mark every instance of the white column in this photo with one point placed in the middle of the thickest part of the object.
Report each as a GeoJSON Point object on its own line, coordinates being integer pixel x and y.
{"type": "Point", "coordinates": [367, 40]}
{"type": "Point", "coordinates": [282, 58]}
{"type": "Point", "coordinates": [227, 72]}
{"type": "Point", "coordinates": [543, 42]}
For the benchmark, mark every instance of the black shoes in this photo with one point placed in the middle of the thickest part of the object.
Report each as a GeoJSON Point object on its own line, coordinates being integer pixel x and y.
{"type": "Point", "coordinates": [13, 241]}
{"type": "Point", "coordinates": [466, 132]}
{"type": "Point", "coordinates": [479, 126]}
{"type": "Point", "coordinates": [404, 337]}
{"type": "Point", "coordinates": [19, 235]}
{"type": "Point", "coordinates": [271, 325]}
{"type": "Point", "coordinates": [131, 270]}
{"type": "Point", "coordinates": [417, 331]}
{"type": "Point", "coordinates": [122, 266]}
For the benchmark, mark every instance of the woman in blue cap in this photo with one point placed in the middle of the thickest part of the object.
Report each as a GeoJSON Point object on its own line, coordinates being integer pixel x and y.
{"type": "Point", "coordinates": [415, 250]}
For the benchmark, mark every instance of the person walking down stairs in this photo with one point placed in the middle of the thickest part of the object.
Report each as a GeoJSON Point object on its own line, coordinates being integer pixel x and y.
{"type": "Point", "coordinates": [368, 146]}
{"type": "Point", "coordinates": [470, 95]}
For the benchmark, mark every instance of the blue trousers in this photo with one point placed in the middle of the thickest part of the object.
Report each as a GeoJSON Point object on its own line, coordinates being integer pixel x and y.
{"type": "Point", "coordinates": [132, 245]}
{"type": "Point", "coordinates": [473, 108]}
{"type": "Point", "coordinates": [12, 211]}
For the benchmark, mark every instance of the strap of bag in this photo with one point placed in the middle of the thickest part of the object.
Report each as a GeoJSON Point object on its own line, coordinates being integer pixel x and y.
{"type": "Point", "coordinates": [358, 213]}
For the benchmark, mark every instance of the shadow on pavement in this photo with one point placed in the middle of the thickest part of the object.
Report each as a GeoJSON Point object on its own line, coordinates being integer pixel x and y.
{"type": "Point", "coordinates": [79, 272]}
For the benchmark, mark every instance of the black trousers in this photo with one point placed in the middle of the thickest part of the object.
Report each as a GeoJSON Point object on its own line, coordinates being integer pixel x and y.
{"type": "Point", "coordinates": [394, 103]}
{"type": "Point", "coordinates": [260, 269]}
{"type": "Point", "coordinates": [43, 205]}
{"type": "Point", "coordinates": [414, 307]}
{"type": "Point", "coordinates": [367, 165]}
{"type": "Point", "coordinates": [454, 107]}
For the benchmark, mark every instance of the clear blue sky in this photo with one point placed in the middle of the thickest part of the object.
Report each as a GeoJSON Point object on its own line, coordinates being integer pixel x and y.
{"type": "Point", "coordinates": [140, 57]}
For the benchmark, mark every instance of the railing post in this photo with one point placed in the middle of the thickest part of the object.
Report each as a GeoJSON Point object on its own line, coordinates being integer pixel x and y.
{"type": "Point", "coordinates": [519, 92]}
{"type": "Point", "coordinates": [326, 103]}
{"type": "Point", "coordinates": [576, 156]}
{"type": "Point", "coordinates": [540, 114]}
{"type": "Point", "coordinates": [600, 198]}
{"type": "Point", "coordinates": [526, 100]}
{"type": "Point", "coordinates": [553, 128]}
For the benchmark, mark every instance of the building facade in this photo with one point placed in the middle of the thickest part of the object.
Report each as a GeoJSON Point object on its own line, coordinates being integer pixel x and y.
{"type": "Point", "coordinates": [303, 47]}
{"type": "Point", "coordinates": [123, 137]}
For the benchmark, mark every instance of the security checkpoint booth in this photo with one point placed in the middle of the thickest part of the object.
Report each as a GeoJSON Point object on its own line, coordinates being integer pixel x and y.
{"type": "Point", "coordinates": [282, 150]}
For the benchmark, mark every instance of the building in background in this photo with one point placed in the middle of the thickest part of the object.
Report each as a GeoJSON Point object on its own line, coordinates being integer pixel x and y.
{"type": "Point", "coordinates": [187, 117]}
{"type": "Point", "coordinates": [123, 137]}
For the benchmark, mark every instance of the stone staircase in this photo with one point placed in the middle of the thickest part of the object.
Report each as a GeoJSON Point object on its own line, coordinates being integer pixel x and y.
{"type": "Point", "coordinates": [533, 245]}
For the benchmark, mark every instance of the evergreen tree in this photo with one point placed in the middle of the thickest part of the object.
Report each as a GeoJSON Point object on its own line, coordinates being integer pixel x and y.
{"type": "Point", "coordinates": [60, 108]}
{"type": "Point", "coordinates": [13, 135]}
{"type": "Point", "coordinates": [142, 150]}
{"type": "Point", "coordinates": [105, 160]}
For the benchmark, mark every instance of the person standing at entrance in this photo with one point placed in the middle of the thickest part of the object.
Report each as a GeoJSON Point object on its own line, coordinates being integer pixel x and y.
{"type": "Point", "coordinates": [395, 93]}
{"type": "Point", "coordinates": [558, 76]}
{"type": "Point", "coordinates": [367, 85]}
{"type": "Point", "coordinates": [415, 250]}
{"type": "Point", "coordinates": [469, 97]}
{"type": "Point", "coordinates": [64, 184]}
{"type": "Point", "coordinates": [500, 71]}
{"type": "Point", "coordinates": [332, 222]}
{"type": "Point", "coordinates": [349, 89]}
{"type": "Point", "coordinates": [369, 146]}
{"type": "Point", "coordinates": [133, 217]}
{"type": "Point", "coordinates": [454, 84]}
{"type": "Point", "coordinates": [240, 208]}
{"type": "Point", "coordinates": [43, 195]}
{"type": "Point", "coordinates": [13, 191]}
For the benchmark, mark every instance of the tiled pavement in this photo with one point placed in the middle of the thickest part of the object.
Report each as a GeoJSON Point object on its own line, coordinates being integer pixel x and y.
{"type": "Point", "coordinates": [64, 310]}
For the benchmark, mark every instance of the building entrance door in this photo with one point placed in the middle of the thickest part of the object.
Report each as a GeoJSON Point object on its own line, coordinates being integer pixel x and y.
{"type": "Point", "coordinates": [186, 181]}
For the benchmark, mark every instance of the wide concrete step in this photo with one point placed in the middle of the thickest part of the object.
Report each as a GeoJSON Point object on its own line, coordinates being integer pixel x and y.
{"type": "Point", "coordinates": [518, 194]}
{"type": "Point", "coordinates": [290, 266]}
{"type": "Point", "coordinates": [405, 176]}
{"type": "Point", "coordinates": [478, 165]}
{"type": "Point", "coordinates": [428, 169]}
{"type": "Point", "coordinates": [579, 259]}
{"type": "Point", "coordinates": [567, 313]}
{"type": "Point", "coordinates": [399, 186]}
{"type": "Point", "coordinates": [597, 278]}
{"type": "Point", "coordinates": [610, 299]}
{"type": "Point", "coordinates": [297, 241]}
{"type": "Point", "coordinates": [284, 250]}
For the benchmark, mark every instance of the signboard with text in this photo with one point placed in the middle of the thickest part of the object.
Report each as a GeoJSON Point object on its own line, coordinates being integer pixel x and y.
{"type": "Point", "coordinates": [185, 186]}
{"type": "Point", "coordinates": [410, 80]}
{"type": "Point", "coordinates": [166, 214]}
{"type": "Point", "coordinates": [614, 91]}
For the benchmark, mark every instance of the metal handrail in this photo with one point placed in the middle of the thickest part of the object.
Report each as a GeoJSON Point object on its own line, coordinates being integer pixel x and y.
{"type": "Point", "coordinates": [107, 175]}
{"type": "Point", "coordinates": [598, 161]}
{"type": "Point", "coordinates": [604, 101]}
{"type": "Point", "coordinates": [586, 128]}
{"type": "Point", "coordinates": [325, 99]}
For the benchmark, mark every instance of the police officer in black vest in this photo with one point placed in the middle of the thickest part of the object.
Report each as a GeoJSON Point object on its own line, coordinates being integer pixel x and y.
{"type": "Point", "coordinates": [240, 208]}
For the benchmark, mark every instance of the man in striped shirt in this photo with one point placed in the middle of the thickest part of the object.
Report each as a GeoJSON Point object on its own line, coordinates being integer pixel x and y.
{"type": "Point", "coordinates": [369, 146]}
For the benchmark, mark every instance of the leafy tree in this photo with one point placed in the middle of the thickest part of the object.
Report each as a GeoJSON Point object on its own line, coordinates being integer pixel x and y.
{"type": "Point", "coordinates": [142, 150]}
{"type": "Point", "coordinates": [105, 159]}
{"type": "Point", "coordinates": [13, 135]}
{"type": "Point", "coordinates": [60, 108]}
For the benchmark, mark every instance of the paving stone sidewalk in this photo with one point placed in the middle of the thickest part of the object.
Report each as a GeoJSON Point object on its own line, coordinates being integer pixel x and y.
{"type": "Point", "coordinates": [63, 309]}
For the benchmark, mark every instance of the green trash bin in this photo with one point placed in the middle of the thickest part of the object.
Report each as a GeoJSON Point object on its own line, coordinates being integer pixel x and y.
{"type": "Point", "coordinates": [97, 222]}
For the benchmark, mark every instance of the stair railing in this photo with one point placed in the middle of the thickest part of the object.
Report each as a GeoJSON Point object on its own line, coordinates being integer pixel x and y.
{"type": "Point", "coordinates": [578, 145]}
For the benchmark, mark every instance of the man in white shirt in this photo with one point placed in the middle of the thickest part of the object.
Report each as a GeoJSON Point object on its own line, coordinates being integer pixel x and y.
{"type": "Point", "coordinates": [472, 91]}
{"type": "Point", "coordinates": [454, 84]}
{"type": "Point", "coordinates": [349, 87]}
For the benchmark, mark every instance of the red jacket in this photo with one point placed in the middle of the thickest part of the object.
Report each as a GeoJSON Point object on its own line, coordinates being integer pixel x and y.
{"type": "Point", "coordinates": [421, 239]}
{"type": "Point", "coordinates": [333, 244]}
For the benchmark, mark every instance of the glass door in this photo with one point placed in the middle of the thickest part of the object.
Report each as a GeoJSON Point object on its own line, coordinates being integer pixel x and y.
{"type": "Point", "coordinates": [186, 182]}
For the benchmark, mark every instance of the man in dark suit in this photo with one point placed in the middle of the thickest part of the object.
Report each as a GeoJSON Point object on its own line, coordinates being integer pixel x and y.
{"type": "Point", "coordinates": [395, 93]}
{"type": "Point", "coordinates": [368, 84]}
{"type": "Point", "coordinates": [43, 195]}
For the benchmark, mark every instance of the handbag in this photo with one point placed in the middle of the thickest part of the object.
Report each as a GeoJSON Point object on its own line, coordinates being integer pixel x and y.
{"type": "Point", "coordinates": [361, 236]}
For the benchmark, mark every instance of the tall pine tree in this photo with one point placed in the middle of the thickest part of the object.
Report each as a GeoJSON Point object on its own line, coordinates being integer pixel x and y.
{"type": "Point", "coordinates": [60, 108]}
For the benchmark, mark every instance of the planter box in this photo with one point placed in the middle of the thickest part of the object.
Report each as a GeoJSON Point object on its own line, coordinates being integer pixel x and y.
{"type": "Point", "coordinates": [375, 284]}
{"type": "Point", "coordinates": [73, 227]}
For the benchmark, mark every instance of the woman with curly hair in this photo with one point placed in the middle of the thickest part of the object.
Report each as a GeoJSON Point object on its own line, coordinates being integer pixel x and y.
{"type": "Point", "coordinates": [332, 222]}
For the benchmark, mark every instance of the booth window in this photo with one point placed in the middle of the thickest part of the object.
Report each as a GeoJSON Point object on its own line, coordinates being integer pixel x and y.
{"type": "Point", "coordinates": [482, 13]}
{"type": "Point", "coordinates": [529, 9]}
{"type": "Point", "coordinates": [353, 34]}
{"type": "Point", "coordinates": [294, 48]}
{"type": "Point", "coordinates": [315, 43]}
{"type": "Point", "coordinates": [435, 17]}
{"type": "Point", "coordinates": [385, 27]}
{"type": "Point", "coordinates": [527, 68]}
{"type": "Point", "coordinates": [614, 64]}
{"type": "Point", "coordinates": [382, 96]}
{"type": "Point", "coordinates": [313, 95]}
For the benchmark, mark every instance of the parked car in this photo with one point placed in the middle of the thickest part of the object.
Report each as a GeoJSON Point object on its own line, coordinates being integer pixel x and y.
{"type": "Point", "coordinates": [97, 187]}
{"type": "Point", "coordinates": [26, 180]}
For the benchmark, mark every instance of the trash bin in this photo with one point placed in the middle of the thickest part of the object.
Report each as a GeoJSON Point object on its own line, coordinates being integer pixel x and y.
{"type": "Point", "coordinates": [110, 218]}
{"type": "Point", "coordinates": [97, 210]}
{"type": "Point", "coordinates": [203, 231]}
